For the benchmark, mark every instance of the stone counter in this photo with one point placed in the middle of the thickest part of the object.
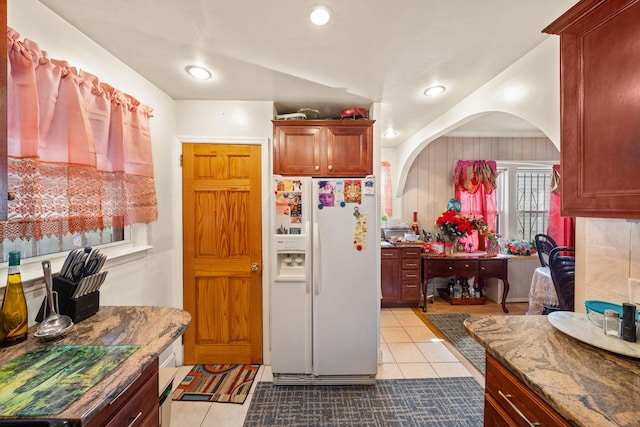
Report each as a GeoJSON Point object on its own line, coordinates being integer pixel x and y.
{"type": "Point", "coordinates": [153, 329]}
{"type": "Point", "coordinates": [586, 385]}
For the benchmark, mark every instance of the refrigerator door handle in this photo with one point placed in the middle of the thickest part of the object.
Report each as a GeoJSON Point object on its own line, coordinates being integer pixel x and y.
{"type": "Point", "coordinates": [316, 261]}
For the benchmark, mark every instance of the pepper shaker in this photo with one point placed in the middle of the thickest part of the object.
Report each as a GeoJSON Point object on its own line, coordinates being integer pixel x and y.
{"type": "Point", "coordinates": [628, 330]}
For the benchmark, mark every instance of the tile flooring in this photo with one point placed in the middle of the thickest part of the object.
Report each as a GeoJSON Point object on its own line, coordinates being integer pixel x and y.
{"type": "Point", "coordinates": [409, 350]}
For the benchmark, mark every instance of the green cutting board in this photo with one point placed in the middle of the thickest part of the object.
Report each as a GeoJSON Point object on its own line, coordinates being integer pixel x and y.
{"type": "Point", "coordinates": [45, 381]}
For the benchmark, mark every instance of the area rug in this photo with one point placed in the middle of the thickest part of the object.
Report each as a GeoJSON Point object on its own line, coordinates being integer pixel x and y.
{"type": "Point", "coordinates": [398, 402]}
{"type": "Point", "coordinates": [450, 325]}
{"type": "Point", "coordinates": [217, 383]}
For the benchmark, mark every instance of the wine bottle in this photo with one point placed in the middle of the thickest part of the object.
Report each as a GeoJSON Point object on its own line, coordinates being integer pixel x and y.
{"type": "Point", "coordinates": [414, 227]}
{"type": "Point", "coordinates": [13, 314]}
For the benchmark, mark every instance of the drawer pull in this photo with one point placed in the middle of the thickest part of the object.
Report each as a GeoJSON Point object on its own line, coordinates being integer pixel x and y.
{"type": "Point", "coordinates": [387, 254]}
{"type": "Point", "coordinates": [466, 266]}
{"type": "Point", "coordinates": [133, 420]}
{"type": "Point", "coordinates": [450, 268]}
{"type": "Point", "coordinates": [507, 397]}
{"type": "Point", "coordinates": [412, 265]}
{"type": "Point", "coordinates": [411, 286]}
{"type": "Point", "coordinates": [412, 275]}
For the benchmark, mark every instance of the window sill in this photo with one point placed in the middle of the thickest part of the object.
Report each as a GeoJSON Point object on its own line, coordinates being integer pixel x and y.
{"type": "Point", "coordinates": [31, 268]}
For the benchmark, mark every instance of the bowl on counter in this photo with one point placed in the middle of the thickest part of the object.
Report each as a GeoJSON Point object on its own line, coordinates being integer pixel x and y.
{"type": "Point", "coordinates": [411, 237]}
{"type": "Point", "coordinates": [595, 311]}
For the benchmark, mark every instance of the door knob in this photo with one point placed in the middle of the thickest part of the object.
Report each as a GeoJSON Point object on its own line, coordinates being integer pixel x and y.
{"type": "Point", "coordinates": [255, 266]}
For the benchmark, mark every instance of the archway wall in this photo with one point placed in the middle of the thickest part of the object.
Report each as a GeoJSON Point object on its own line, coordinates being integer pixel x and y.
{"type": "Point", "coordinates": [529, 89]}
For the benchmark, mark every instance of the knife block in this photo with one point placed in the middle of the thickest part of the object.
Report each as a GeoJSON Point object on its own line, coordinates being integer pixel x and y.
{"type": "Point", "coordinates": [77, 309]}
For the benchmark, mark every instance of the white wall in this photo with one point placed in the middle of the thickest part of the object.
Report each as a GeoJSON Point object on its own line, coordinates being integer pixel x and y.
{"type": "Point", "coordinates": [529, 89]}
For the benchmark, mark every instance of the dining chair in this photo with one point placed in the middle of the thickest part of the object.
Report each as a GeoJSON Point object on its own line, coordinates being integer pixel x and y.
{"type": "Point", "coordinates": [562, 265]}
{"type": "Point", "coordinates": [544, 244]}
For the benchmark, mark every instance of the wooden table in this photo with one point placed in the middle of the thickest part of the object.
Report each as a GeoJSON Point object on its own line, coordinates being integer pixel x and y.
{"type": "Point", "coordinates": [464, 265]}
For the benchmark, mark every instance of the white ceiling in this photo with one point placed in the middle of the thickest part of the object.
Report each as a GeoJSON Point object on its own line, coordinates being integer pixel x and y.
{"type": "Point", "coordinates": [372, 51]}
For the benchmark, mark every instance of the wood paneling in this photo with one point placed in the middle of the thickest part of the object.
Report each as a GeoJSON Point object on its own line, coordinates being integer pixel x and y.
{"type": "Point", "coordinates": [430, 180]}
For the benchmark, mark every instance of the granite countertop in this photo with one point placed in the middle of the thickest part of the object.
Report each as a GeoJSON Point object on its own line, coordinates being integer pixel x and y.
{"type": "Point", "coordinates": [151, 329]}
{"type": "Point", "coordinates": [586, 385]}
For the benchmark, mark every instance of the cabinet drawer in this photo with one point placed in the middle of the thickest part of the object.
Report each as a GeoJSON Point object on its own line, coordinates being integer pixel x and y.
{"type": "Point", "coordinates": [139, 407]}
{"type": "Point", "coordinates": [389, 253]}
{"type": "Point", "coordinates": [411, 264]}
{"type": "Point", "coordinates": [466, 268]}
{"type": "Point", "coordinates": [411, 252]}
{"type": "Point", "coordinates": [492, 268]}
{"type": "Point", "coordinates": [410, 291]}
{"type": "Point", "coordinates": [410, 275]}
{"type": "Point", "coordinates": [440, 268]}
{"type": "Point", "coordinates": [494, 415]}
{"type": "Point", "coordinates": [516, 399]}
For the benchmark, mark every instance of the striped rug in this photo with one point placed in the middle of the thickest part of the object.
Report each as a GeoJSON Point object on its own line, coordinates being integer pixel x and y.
{"type": "Point", "coordinates": [216, 383]}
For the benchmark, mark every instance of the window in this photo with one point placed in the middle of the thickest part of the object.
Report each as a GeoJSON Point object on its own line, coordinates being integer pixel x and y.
{"type": "Point", "coordinates": [52, 244]}
{"type": "Point", "coordinates": [522, 199]}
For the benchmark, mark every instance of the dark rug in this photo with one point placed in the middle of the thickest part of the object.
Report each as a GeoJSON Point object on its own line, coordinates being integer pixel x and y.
{"type": "Point", "coordinates": [401, 403]}
{"type": "Point", "coordinates": [216, 383]}
{"type": "Point", "coordinates": [450, 325]}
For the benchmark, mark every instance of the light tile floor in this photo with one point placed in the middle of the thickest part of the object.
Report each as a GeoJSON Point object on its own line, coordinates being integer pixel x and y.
{"type": "Point", "coordinates": [409, 350]}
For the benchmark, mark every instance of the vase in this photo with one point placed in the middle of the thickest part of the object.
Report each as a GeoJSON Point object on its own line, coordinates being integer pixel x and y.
{"type": "Point", "coordinates": [493, 247]}
{"type": "Point", "coordinates": [482, 242]}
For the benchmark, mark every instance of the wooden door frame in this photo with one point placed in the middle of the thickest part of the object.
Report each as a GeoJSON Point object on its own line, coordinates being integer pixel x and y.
{"type": "Point", "coordinates": [266, 168]}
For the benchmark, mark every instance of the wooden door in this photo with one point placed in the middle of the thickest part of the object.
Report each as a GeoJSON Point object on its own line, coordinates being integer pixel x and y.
{"type": "Point", "coordinates": [222, 284]}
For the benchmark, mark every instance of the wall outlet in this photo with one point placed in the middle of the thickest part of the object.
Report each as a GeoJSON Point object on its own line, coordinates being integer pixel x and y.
{"type": "Point", "coordinates": [634, 291]}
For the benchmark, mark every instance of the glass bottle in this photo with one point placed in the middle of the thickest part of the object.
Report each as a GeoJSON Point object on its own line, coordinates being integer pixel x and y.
{"type": "Point", "coordinates": [13, 314]}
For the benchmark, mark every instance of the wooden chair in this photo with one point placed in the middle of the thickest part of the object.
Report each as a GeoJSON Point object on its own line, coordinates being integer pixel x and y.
{"type": "Point", "coordinates": [562, 265]}
{"type": "Point", "coordinates": [544, 244]}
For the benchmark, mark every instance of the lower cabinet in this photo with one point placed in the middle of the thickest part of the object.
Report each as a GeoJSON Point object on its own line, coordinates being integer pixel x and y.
{"type": "Point", "coordinates": [400, 276]}
{"type": "Point", "coordinates": [137, 405]}
{"type": "Point", "coordinates": [509, 402]}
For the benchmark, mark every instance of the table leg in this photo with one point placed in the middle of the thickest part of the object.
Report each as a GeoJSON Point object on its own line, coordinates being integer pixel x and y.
{"type": "Point", "coordinates": [504, 295]}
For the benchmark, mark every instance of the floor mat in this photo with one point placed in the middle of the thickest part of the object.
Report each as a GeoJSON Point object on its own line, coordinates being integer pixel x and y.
{"type": "Point", "coordinates": [216, 383]}
{"type": "Point", "coordinates": [450, 325]}
{"type": "Point", "coordinates": [397, 402]}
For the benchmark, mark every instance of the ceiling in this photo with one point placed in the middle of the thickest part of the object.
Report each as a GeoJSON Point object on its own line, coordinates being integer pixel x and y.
{"type": "Point", "coordinates": [372, 51]}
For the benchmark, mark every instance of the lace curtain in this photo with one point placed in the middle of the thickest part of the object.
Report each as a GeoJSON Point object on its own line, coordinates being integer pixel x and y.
{"type": "Point", "coordinates": [475, 182]}
{"type": "Point", "coordinates": [79, 151]}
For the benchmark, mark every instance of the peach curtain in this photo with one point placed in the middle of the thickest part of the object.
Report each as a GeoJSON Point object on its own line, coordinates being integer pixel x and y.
{"type": "Point", "coordinates": [386, 189]}
{"type": "Point", "coordinates": [79, 151]}
{"type": "Point", "coordinates": [561, 229]}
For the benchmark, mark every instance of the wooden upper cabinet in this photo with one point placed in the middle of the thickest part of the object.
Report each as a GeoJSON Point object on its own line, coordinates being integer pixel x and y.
{"type": "Point", "coordinates": [600, 108]}
{"type": "Point", "coordinates": [323, 148]}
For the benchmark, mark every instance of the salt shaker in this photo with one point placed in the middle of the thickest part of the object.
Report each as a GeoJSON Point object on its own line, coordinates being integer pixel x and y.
{"type": "Point", "coordinates": [611, 324]}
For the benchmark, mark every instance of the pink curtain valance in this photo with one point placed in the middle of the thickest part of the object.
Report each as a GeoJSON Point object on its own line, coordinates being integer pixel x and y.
{"type": "Point", "coordinates": [79, 151]}
{"type": "Point", "coordinates": [470, 175]}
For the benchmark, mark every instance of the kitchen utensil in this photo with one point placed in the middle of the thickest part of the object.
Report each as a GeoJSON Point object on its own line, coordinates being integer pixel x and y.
{"type": "Point", "coordinates": [55, 324]}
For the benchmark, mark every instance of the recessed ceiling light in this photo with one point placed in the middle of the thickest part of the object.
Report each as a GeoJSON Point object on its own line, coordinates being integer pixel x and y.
{"type": "Point", "coordinates": [320, 15]}
{"type": "Point", "coordinates": [434, 90]}
{"type": "Point", "coordinates": [390, 133]}
{"type": "Point", "coordinates": [198, 72]}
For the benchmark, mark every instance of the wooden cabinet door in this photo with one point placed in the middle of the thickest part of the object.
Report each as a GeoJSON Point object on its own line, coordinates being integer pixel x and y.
{"type": "Point", "coordinates": [390, 277]}
{"type": "Point", "coordinates": [298, 150]}
{"type": "Point", "coordinates": [349, 150]}
{"type": "Point", "coordinates": [600, 108]}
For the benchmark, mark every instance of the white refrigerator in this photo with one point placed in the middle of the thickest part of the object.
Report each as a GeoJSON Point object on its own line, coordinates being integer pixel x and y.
{"type": "Point", "coordinates": [326, 281]}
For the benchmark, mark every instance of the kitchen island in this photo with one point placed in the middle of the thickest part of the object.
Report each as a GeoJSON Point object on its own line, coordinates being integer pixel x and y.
{"type": "Point", "coordinates": [584, 385]}
{"type": "Point", "coordinates": [128, 341]}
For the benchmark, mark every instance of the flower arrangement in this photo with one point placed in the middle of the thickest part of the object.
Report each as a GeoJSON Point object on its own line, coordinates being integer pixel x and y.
{"type": "Point", "coordinates": [454, 225]}
{"type": "Point", "coordinates": [520, 247]}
